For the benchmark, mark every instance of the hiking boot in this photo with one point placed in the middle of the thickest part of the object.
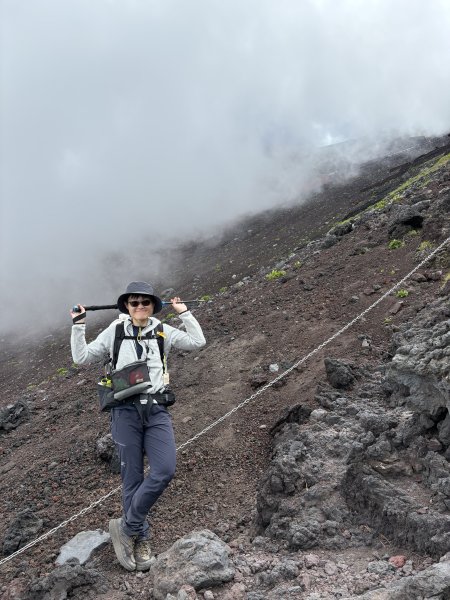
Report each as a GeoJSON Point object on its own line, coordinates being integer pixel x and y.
{"type": "Point", "coordinates": [123, 545]}
{"type": "Point", "coordinates": [143, 555]}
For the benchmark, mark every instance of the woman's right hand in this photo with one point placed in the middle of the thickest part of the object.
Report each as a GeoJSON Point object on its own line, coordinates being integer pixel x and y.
{"type": "Point", "coordinates": [81, 311]}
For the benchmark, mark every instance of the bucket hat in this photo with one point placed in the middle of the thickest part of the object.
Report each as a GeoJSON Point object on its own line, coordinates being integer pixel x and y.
{"type": "Point", "coordinates": [139, 288]}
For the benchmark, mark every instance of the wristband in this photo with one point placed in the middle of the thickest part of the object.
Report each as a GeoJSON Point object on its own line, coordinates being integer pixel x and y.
{"type": "Point", "coordinates": [184, 311]}
{"type": "Point", "coordinates": [77, 318]}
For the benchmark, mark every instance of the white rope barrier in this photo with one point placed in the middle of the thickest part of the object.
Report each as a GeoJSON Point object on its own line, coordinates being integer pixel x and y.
{"type": "Point", "coordinates": [239, 406]}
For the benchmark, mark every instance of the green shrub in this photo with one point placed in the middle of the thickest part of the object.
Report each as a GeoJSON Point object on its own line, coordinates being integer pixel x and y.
{"type": "Point", "coordinates": [223, 289]}
{"type": "Point", "coordinates": [206, 298]}
{"type": "Point", "coordinates": [425, 245]}
{"type": "Point", "coordinates": [275, 274]}
{"type": "Point", "coordinates": [402, 293]}
{"type": "Point", "coordinates": [62, 371]}
{"type": "Point", "coordinates": [394, 244]}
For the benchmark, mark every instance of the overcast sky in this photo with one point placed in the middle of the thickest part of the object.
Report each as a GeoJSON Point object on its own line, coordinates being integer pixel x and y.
{"type": "Point", "coordinates": [122, 120]}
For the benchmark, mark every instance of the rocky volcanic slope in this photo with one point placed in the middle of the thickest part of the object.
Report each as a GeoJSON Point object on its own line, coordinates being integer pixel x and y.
{"type": "Point", "coordinates": [334, 483]}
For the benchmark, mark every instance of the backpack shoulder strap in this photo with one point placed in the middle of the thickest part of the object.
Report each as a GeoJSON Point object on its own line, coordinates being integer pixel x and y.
{"type": "Point", "coordinates": [118, 338]}
{"type": "Point", "coordinates": [160, 335]}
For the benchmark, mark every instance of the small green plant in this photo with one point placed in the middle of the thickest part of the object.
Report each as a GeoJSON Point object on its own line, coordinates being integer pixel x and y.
{"type": "Point", "coordinates": [380, 204]}
{"type": "Point", "coordinates": [275, 274]}
{"type": "Point", "coordinates": [297, 264]}
{"type": "Point", "coordinates": [412, 233]}
{"type": "Point", "coordinates": [425, 245]}
{"type": "Point", "coordinates": [170, 315]}
{"type": "Point", "coordinates": [206, 298]}
{"type": "Point", "coordinates": [218, 268]}
{"type": "Point", "coordinates": [395, 244]}
{"type": "Point", "coordinates": [61, 372]}
{"type": "Point", "coordinates": [223, 289]}
{"type": "Point", "coordinates": [402, 293]}
{"type": "Point", "coordinates": [387, 320]}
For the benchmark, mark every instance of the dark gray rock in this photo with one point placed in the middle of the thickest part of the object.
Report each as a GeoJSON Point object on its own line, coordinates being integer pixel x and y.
{"type": "Point", "coordinates": [392, 512]}
{"type": "Point", "coordinates": [339, 374]}
{"type": "Point", "coordinates": [405, 219]}
{"type": "Point", "coordinates": [69, 581]}
{"type": "Point", "coordinates": [107, 451]}
{"type": "Point", "coordinates": [14, 415]}
{"type": "Point", "coordinates": [342, 229]}
{"type": "Point", "coordinates": [22, 530]}
{"type": "Point", "coordinates": [328, 241]}
{"type": "Point", "coordinates": [432, 583]}
{"type": "Point", "coordinates": [419, 374]}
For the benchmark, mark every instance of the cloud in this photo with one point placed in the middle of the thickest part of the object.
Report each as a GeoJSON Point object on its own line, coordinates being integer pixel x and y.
{"type": "Point", "coordinates": [127, 123]}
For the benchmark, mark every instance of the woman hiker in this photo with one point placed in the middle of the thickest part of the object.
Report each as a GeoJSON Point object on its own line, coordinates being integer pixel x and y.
{"type": "Point", "coordinates": [139, 423]}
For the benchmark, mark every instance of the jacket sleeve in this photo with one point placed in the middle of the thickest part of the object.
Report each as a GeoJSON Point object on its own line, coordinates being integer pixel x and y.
{"type": "Point", "coordinates": [191, 339]}
{"type": "Point", "coordinates": [83, 353]}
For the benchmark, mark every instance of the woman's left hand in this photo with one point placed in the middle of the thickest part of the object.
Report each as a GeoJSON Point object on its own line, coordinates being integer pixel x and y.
{"type": "Point", "coordinates": [178, 306]}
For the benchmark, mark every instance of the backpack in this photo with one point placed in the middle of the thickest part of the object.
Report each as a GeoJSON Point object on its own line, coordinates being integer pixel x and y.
{"type": "Point", "coordinates": [115, 387]}
{"type": "Point", "coordinates": [157, 333]}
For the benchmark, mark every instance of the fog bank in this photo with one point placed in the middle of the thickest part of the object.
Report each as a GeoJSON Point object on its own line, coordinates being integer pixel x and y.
{"type": "Point", "coordinates": [128, 125]}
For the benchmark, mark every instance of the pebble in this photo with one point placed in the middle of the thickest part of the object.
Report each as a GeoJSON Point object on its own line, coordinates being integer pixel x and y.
{"type": "Point", "coordinates": [398, 560]}
{"type": "Point", "coordinates": [318, 414]}
{"type": "Point", "coordinates": [380, 567]}
{"type": "Point", "coordinates": [311, 560]}
{"type": "Point", "coordinates": [434, 445]}
{"type": "Point", "coordinates": [274, 368]}
{"type": "Point", "coordinates": [208, 595]}
{"type": "Point", "coordinates": [396, 308]}
{"type": "Point", "coordinates": [330, 568]}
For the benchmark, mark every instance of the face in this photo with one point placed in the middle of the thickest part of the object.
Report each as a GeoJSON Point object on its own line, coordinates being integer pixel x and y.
{"type": "Point", "coordinates": [140, 307]}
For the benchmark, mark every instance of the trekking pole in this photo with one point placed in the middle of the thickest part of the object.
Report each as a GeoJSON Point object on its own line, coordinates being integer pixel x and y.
{"type": "Point", "coordinates": [114, 306]}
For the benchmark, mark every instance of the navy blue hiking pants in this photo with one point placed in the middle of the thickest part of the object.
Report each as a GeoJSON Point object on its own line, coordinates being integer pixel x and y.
{"type": "Point", "coordinates": [137, 432]}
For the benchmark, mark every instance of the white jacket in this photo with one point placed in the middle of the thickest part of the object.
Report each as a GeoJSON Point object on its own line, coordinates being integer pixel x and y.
{"type": "Point", "coordinates": [190, 339]}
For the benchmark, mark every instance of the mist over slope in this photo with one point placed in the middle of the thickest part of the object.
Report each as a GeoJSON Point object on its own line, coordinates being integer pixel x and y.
{"type": "Point", "coordinates": [128, 126]}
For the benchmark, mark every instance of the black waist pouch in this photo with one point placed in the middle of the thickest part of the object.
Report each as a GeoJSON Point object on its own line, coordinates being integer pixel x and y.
{"type": "Point", "coordinates": [164, 398]}
{"type": "Point", "coordinates": [106, 397]}
{"type": "Point", "coordinates": [107, 400]}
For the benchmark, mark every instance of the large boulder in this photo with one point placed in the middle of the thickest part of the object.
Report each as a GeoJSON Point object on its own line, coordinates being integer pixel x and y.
{"type": "Point", "coordinates": [68, 581]}
{"type": "Point", "coordinates": [200, 559]}
{"type": "Point", "coordinates": [393, 512]}
{"type": "Point", "coordinates": [419, 374]}
{"type": "Point", "coordinates": [405, 219]}
{"type": "Point", "coordinates": [432, 583]}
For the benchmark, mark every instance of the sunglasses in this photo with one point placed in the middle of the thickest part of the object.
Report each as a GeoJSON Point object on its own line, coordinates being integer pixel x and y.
{"type": "Point", "coordinates": [135, 303]}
